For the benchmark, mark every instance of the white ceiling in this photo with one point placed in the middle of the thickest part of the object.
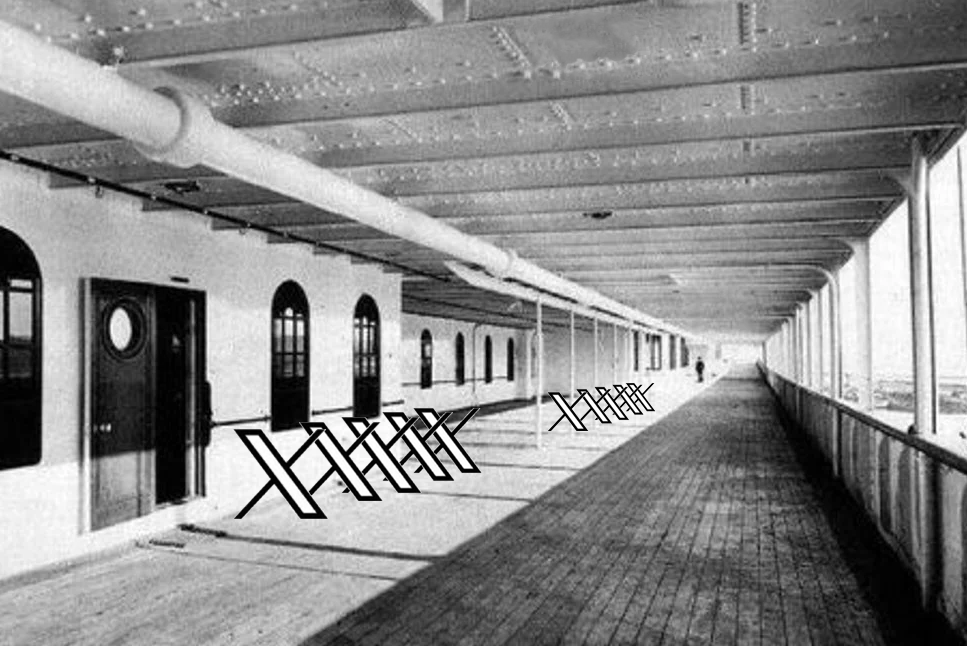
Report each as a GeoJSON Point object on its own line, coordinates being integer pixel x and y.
{"type": "Point", "coordinates": [726, 139]}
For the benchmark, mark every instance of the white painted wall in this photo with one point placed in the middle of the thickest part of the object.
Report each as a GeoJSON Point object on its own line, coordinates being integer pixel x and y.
{"type": "Point", "coordinates": [75, 235]}
{"type": "Point", "coordinates": [557, 344]}
{"type": "Point", "coordinates": [445, 393]}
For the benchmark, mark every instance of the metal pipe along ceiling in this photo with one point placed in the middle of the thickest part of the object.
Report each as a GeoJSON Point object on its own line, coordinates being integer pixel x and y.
{"type": "Point", "coordinates": [174, 128]}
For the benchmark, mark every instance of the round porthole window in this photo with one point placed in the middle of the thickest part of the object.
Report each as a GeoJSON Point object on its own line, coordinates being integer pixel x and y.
{"type": "Point", "coordinates": [124, 329]}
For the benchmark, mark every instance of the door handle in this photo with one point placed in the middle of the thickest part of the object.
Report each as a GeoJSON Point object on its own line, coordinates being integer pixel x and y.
{"type": "Point", "coordinates": [102, 428]}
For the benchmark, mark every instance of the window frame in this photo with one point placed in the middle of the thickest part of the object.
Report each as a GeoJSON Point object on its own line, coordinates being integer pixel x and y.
{"type": "Point", "coordinates": [426, 359]}
{"type": "Point", "coordinates": [21, 395]}
{"type": "Point", "coordinates": [459, 363]}
{"type": "Point", "coordinates": [285, 345]}
{"type": "Point", "coordinates": [511, 362]}
{"type": "Point", "coordinates": [488, 360]}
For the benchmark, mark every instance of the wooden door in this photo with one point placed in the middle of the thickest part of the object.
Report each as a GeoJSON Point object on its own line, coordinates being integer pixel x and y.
{"type": "Point", "coordinates": [121, 352]}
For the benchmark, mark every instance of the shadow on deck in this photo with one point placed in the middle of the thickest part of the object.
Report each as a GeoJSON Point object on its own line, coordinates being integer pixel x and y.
{"type": "Point", "coordinates": [714, 525]}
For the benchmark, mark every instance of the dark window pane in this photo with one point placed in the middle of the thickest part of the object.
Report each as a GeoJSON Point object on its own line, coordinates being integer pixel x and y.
{"type": "Point", "coordinates": [287, 365]}
{"type": "Point", "coordinates": [21, 316]}
{"type": "Point", "coordinates": [300, 341]}
{"type": "Point", "coordinates": [287, 335]}
{"type": "Point", "coordinates": [277, 335]}
{"type": "Point", "coordinates": [20, 435]}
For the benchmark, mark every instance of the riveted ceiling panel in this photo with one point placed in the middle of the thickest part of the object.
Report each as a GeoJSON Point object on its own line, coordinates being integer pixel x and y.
{"type": "Point", "coordinates": [686, 157]}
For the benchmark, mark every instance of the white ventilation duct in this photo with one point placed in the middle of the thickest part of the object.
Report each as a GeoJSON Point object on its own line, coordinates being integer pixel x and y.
{"type": "Point", "coordinates": [486, 282]}
{"type": "Point", "coordinates": [175, 128]}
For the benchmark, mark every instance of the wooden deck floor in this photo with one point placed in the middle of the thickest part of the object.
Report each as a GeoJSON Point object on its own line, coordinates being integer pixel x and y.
{"type": "Point", "coordinates": [707, 527]}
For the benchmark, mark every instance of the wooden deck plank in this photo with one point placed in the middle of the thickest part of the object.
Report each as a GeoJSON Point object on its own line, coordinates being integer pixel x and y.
{"type": "Point", "coordinates": [712, 526]}
{"type": "Point", "coordinates": [711, 535]}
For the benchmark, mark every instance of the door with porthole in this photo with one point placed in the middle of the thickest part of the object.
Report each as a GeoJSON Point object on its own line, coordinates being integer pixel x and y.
{"type": "Point", "coordinates": [147, 367]}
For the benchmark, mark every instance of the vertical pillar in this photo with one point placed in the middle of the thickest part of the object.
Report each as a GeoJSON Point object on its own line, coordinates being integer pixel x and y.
{"type": "Point", "coordinates": [572, 358]}
{"type": "Point", "coordinates": [799, 352]}
{"type": "Point", "coordinates": [540, 370]}
{"type": "Point", "coordinates": [629, 355]}
{"type": "Point", "coordinates": [528, 362]}
{"type": "Point", "coordinates": [595, 375]}
{"type": "Point", "coordinates": [787, 348]}
{"type": "Point", "coordinates": [816, 349]}
{"type": "Point", "coordinates": [614, 355]}
{"type": "Point", "coordinates": [864, 323]}
{"type": "Point", "coordinates": [820, 345]}
{"type": "Point", "coordinates": [924, 383]}
{"type": "Point", "coordinates": [835, 336]}
{"type": "Point", "coordinates": [924, 376]}
{"type": "Point", "coordinates": [808, 343]}
{"type": "Point", "coordinates": [811, 341]}
{"type": "Point", "coordinates": [963, 226]}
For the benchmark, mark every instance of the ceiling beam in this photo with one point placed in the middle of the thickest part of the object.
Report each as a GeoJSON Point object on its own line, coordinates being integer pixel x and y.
{"type": "Point", "coordinates": [590, 276]}
{"type": "Point", "coordinates": [848, 187]}
{"type": "Point", "coordinates": [589, 166]}
{"type": "Point", "coordinates": [301, 215]}
{"type": "Point", "coordinates": [850, 227]}
{"type": "Point", "coordinates": [894, 117]}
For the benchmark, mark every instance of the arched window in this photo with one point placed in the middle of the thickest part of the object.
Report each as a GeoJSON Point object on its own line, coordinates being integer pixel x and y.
{"type": "Point", "coordinates": [366, 360]}
{"type": "Point", "coordinates": [290, 357]}
{"type": "Point", "coordinates": [20, 326]}
{"type": "Point", "coordinates": [488, 360]}
{"type": "Point", "coordinates": [426, 359]}
{"type": "Point", "coordinates": [510, 359]}
{"type": "Point", "coordinates": [459, 360]}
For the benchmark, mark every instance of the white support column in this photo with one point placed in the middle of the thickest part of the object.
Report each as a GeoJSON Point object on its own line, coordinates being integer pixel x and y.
{"type": "Point", "coordinates": [786, 354]}
{"type": "Point", "coordinates": [799, 345]}
{"type": "Point", "coordinates": [921, 299]}
{"type": "Point", "coordinates": [808, 344]}
{"type": "Point", "coordinates": [923, 499]}
{"type": "Point", "coordinates": [614, 355]}
{"type": "Point", "coordinates": [821, 312]}
{"type": "Point", "coordinates": [629, 356]}
{"type": "Point", "coordinates": [573, 364]}
{"type": "Point", "coordinates": [594, 345]}
{"type": "Point", "coordinates": [864, 323]}
{"type": "Point", "coordinates": [528, 362]}
{"type": "Point", "coordinates": [963, 227]}
{"type": "Point", "coordinates": [540, 371]}
{"type": "Point", "coordinates": [816, 323]}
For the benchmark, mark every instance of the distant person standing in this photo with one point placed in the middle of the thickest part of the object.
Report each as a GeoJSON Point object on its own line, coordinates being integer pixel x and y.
{"type": "Point", "coordinates": [700, 369]}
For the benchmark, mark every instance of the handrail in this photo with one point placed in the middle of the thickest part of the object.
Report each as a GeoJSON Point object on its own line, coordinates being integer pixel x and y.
{"type": "Point", "coordinates": [934, 451]}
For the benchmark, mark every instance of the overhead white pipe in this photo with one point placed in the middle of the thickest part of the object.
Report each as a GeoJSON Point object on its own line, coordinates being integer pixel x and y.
{"type": "Point", "coordinates": [172, 127]}
{"type": "Point", "coordinates": [488, 283]}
